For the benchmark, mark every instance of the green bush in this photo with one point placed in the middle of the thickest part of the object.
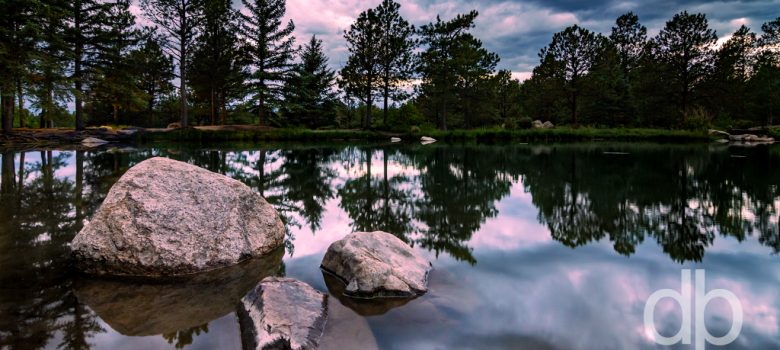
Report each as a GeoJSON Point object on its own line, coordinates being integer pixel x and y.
{"type": "Point", "coordinates": [510, 124]}
{"type": "Point", "coordinates": [525, 123]}
{"type": "Point", "coordinates": [697, 119]}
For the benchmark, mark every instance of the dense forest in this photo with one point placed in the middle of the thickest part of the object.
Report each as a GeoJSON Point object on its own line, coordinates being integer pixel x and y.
{"type": "Point", "coordinates": [204, 62]}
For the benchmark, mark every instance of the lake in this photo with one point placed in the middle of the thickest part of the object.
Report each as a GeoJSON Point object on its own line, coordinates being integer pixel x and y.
{"type": "Point", "coordinates": [542, 246]}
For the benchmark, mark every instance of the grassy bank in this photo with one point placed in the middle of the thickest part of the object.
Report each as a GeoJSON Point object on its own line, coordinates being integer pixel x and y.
{"type": "Point", "coordinates": [476, 135]}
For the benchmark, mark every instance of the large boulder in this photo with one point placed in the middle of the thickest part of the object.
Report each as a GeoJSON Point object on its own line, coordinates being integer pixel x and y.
{"type": "Point", "coordinates": [282, 313]}
{"type": "Point", "coordinates": [166, 218]}
{"type": "Point", "coordinates": [377, 264]}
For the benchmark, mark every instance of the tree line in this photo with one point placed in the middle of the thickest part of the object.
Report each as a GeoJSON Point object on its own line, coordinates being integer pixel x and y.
{"type": "Point", "coordinates": [204, 62]}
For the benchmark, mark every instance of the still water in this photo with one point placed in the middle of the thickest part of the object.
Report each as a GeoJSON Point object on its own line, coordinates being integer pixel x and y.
{"type": "Point", "coordinates": [534, 246]}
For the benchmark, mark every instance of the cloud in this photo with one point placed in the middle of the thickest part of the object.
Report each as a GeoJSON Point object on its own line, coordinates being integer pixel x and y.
{"type": "Point", "coordinates": [518, 29]}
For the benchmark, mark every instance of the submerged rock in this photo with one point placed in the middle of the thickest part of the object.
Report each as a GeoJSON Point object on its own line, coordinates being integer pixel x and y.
{"type": "Point", "coordinates": [377, 264]}
{"type": "Point", "coordinates": [144, 308]}
{"type": "Point", "coordinates": [282, 313]}
{"type": "Point", "coordinates": [165, 218]}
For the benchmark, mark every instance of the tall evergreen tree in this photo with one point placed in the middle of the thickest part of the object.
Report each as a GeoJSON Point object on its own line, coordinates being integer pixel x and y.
{"type": "Point", "coordinates": [269, 45]}
{"type": "Point", "coordinates": [18, 33]}
{"type": "Point", "coordinates": [454, 65]}
{"type": "Point", "coordinates": [88, 35]}
{"type": "Point", "coordinates": [309, 98]}
{"type": "Point", "coordinates": [216, 71]}
{"type": "Point", "coordinates": [577, 49]}
{"type": "Point", "coordinates": [732, 70]}
{"type": "Point", "coordinates": [629, 38]}
{"type": "Point", "coordinates": [396, 52]}
{"type": "Point", "coordinates": [154, 72]}
{"type": "Point", "coordinates": [361, 73]}
{"type": "Point", "coordinates": [684, 47]}
{"type": "Point", "coordinates": [179, 19]}
{"type": "Point", "coordinates": [115, 79]}
{"type": "Point", "coordinates": [49, 83]}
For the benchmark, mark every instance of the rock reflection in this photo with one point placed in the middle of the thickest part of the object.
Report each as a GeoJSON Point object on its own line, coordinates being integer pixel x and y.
{"type": "Point", "coordinates": [152, 308]}
{"type": "Point", "coordinates": [363, 307]}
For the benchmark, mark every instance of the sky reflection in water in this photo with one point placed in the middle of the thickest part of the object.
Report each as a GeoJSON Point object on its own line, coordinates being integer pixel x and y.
{"type": "Point", "coordinates": [499, 222]}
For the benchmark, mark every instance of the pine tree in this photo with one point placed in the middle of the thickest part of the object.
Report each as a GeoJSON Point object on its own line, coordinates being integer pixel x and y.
{"type": "Point", "coordinates": [179, 20]}
{"type": "Point", "coordinates": [270, 50]}
{"type": "Point", "coordinates": [217, 74]}
{"type": "Point", "coordinates": [154, 72]}
{"type": "Point", "coordinates": [454, 68]}
{"type": "Point", "coordinates": [49, 82]}
{"type": "Point", "coordinates": [115, 79]}
{"type": "Point", "coordinates": [684, 48]}
{"type": "Point", "coordinates": [576, 48]}
{"type": "Point", "coordinates": [629, 38]}
{"type": "Point", "coordinates": [361, 73]}
{"type": "Point", "coordinates": [309, 98]}
{"type": "Point", "coordinates": [396, 52]}
{"type": "Point", "coordinates": [88, 34]}
{"type": "Point", "coordinates": [18, 33]}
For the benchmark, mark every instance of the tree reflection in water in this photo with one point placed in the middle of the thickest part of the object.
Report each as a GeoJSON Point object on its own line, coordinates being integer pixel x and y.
{"type": "Point", "coordinates": [437, 197]}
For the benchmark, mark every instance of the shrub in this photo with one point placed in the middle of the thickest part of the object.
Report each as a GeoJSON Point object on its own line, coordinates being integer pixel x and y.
{"type": "Point", "coordinates": [525, 123]}
{"type": "Point", "coordinates": [697, 119]}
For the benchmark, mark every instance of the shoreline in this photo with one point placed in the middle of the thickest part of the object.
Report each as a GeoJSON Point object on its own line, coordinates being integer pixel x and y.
{"type": "Point", "coordinates": [210, 134]}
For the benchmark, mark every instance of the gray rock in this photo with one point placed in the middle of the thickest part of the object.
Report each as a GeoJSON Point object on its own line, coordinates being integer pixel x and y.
{"type": "Point", "coordinates": [537, 124]}
{"type": "Point", "coordinates": [548, 125]}
{"type": "Point", "coordinates": [165, 218]}
{"type": "Point", "coordinates": [282, 313]}
{"type": "Point", "coordinates": [377, 264]}
{"type": "Point", "coordinates": [427, 139]}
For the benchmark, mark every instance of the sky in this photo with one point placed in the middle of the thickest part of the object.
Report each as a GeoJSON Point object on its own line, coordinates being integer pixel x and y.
{"type": "Point", "coordinates": [517, 29]}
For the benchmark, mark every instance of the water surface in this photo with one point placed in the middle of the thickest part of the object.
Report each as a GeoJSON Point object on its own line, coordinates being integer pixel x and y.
{"type": "Point", "coordinates": [534, 246]}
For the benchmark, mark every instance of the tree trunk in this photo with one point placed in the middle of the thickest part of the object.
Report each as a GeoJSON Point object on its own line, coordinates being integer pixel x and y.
{"type": "Point", "coordinates": [183, 37]}
{"type": "Point", "coordinates": [7, 103]}
{"type": "Point", "coordinates": [213, 106]}
{"type": "Point", "coordinates": [116, 113]}
{"type": "Point", "coordinates": [386, 97]}
{"type": "Point", "coordinates": [222, 111]}
{"type": "Point", "coordinates": [20, 96]}
{"type": "Point", "coordinates": [367, 120]}
{"type": "Point", "coordinates": [261, 110]}
{"type": "Point", "coordinates": [77, 69]}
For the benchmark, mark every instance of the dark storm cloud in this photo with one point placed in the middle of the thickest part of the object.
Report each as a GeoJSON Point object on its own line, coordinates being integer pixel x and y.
{"type": "Point", "coordinates": [517, 30]}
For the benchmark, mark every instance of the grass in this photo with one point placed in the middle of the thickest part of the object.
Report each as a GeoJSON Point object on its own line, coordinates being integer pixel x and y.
{"type": "Point", "coordinates": [474, 135]}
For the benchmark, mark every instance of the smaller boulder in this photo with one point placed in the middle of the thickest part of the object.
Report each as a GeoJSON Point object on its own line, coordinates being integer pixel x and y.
{"type": "Point", "coordinates": [537, 124]}
{"type": "Point", "coordinates": [377, 264]}
{"type": "Point", "coordinates": [395, 139]}
{"type": "Point", "coordinates": [548, 125]}
{"type": "Point", "coordinates": [282, 313]}
{"type": "Point", "coordinates": [427, 139]}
